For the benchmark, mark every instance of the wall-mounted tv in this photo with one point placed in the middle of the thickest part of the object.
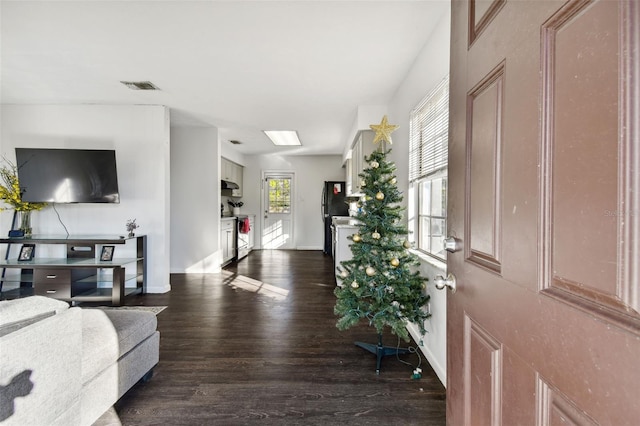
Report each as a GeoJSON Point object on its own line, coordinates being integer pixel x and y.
{"type": "Point", "coordinates": [67, 175]}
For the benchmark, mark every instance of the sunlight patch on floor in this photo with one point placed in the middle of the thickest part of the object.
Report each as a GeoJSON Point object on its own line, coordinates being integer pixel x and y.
{"type": "Point", "coordinates": [255, 286]}
{"type": "Point", "coordinates": [324, 285]}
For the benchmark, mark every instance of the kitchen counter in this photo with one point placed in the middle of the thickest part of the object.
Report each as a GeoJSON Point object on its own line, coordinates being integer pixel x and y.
{"type": "Point", "coordinates": [344, 221]}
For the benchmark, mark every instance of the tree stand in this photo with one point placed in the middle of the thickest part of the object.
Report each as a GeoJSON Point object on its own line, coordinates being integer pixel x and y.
{"type": "Point", "coordinates": [381, 351]}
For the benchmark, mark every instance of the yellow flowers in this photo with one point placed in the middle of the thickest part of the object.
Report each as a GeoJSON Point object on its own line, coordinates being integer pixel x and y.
{"type": "Point", "coordinates": [11, 193]}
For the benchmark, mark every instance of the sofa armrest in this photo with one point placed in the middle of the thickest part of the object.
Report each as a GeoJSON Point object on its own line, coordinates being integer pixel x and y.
{"type": "Point", "coordinates": [40, 366]}
{"type": "Point", "coordinates": [21, 312]}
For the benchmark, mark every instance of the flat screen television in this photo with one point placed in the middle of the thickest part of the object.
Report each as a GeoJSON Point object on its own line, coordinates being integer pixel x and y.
{"type": "Point", "coordinates": [67, 175]}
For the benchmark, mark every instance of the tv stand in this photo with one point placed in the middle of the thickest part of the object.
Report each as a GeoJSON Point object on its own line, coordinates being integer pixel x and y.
{"type": "Point", "coordinates": [78, 276]}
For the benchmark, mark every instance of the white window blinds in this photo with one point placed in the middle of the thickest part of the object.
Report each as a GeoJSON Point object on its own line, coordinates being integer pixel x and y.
{"type": "Point", "coordinates": [429, 133]}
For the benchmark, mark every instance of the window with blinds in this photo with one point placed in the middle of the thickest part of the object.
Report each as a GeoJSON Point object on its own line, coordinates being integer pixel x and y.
{"type": "Point", "coordinates": [428, 156]}
{"type": "Point", "coordinates": [429, 133]}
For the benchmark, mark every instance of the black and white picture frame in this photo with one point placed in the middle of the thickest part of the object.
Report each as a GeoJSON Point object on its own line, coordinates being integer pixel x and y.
{"type": "Point", "coordinates": [106, 255]}
{"type": "Point", "coordinates": [26, 252]}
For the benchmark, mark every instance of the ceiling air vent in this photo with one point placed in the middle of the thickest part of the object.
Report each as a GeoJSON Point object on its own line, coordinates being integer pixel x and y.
{"type": "Point", "coordinates": [140, 85]}
{"type": "Point", "coordinates": [235, 142]}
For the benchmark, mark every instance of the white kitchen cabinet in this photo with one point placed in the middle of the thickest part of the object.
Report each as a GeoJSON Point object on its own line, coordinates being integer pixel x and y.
{"type": "Point", "coordinates": [362, 147]}
{"type": "Point", "coordinates": [356, 167]}
{"type": "Point", "coordinates": [348, 176]}
{"type": "Point", "coordinates": [232, 172]}
{"type": "Point", "coordinates": [228, 239]}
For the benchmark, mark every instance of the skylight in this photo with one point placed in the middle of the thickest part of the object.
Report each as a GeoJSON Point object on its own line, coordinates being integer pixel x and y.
{"type": "Point", "coordinates": [283, 137]}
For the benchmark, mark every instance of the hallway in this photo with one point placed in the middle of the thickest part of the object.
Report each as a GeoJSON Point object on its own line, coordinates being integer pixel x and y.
{"type": "Point", "coordinates": [257, 344]}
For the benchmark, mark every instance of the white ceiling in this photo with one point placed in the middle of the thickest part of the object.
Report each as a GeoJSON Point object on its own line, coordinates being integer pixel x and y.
{"type": "Point", "coordinates": [242, 66]}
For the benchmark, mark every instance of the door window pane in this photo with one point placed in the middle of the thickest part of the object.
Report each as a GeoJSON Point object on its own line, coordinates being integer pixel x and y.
{"type": "Point", "coordinates": [279, 195]}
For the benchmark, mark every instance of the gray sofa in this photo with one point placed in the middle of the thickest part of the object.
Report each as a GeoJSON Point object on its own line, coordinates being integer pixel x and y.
{"type": "Point", "coordinates": [67, 366]}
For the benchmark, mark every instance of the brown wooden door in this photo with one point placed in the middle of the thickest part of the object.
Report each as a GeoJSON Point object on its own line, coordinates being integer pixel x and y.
{"type": "Point", "coordinates": [544, 180]}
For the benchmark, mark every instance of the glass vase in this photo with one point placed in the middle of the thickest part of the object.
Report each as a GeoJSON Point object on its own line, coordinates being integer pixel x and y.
{"type": "Point", "coordinates": [25, 223]}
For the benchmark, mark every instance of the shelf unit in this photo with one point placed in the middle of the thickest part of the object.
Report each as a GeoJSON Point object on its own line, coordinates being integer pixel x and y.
{"type": "Point", "coordinates": [80, 276]}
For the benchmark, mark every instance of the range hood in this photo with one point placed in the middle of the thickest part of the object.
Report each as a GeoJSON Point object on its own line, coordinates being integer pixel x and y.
{"type": "Point", "coordinates": [225, 184]}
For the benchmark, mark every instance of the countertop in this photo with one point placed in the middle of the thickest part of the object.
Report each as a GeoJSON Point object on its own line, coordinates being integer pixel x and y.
{"type": "Point", "coordinates": [235, 217]}
{"type": "Point", "coordinates": [347, 222]}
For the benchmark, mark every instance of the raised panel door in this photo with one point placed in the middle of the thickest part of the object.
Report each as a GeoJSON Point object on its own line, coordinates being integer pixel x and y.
{"type": "Point", "coordinates": [544, 171]}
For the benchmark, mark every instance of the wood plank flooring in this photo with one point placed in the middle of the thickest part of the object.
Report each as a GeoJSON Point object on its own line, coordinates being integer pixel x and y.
{"type": "Point", "coordinates": [257, 344]}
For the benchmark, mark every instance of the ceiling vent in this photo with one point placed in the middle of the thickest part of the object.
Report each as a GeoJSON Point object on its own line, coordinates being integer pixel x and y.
{"type": "Point", "coordinates": [235, 142]}
{"type": "Point", "coordinates": [140, 85]}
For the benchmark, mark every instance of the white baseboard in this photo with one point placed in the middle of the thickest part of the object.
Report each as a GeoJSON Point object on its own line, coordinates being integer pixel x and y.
{"type": "Point", "coordinates": [309, 248]}
{"type": "Point", "coordinates": [158, 290]}
{"type": "Point", "coordinates": [440, 370]}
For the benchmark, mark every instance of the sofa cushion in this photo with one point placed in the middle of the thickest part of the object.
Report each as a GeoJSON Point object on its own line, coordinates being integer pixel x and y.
{"type": "Point", "coordinates": [18, 313]}
{"type": "Point", "coordinates": [109, 334]}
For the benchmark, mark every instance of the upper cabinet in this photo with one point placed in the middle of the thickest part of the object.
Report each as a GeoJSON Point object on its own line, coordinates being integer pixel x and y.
{"type": "Point", "coordinates": [362, 147]}
{"type": "Point", "coordinates": [232, 172]}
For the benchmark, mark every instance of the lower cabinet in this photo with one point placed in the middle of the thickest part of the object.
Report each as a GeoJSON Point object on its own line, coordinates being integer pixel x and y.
{"type": "Point", "coordinates": [342, 243]}
{"type": "Point", "coordinates": [228, 239]}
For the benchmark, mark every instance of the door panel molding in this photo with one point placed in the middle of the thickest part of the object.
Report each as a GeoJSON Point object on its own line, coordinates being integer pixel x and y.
{"type": "Point", "coordinates": [554, 407]}
{"type": "Point", "coordinates": [483, 192]}
{"type": "Point", "coordinates": [586, 278]}
{"type": "Point", "coordinates": [482, 375]}
{"type": "Point", "coordinates": [480, 19]}
{"type": "Point", "coordinates": [629, 247]}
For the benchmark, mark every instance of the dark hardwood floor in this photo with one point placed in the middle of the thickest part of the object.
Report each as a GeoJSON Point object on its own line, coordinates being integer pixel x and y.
{"type": "Point", "coordinates": [257, 344]}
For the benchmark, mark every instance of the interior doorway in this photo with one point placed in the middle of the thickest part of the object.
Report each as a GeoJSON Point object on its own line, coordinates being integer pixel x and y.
{"type": "Point", "coordinates": [277, 203]}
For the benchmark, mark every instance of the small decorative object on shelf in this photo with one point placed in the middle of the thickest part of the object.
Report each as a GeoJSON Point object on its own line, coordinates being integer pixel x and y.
{"type": "Point", "coordinates": [11, 194]}
{"type": "Point", "coordinates": [26, 252]}
{"type": "Point", "coordinates": [132, 226]}
{"type": "Point", "coordinates": [106, 255]}
{"type": "Point", "coordinates": [25, 223]}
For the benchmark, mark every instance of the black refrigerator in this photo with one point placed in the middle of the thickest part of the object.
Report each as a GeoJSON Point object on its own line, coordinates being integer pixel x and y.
{"type": "Point", "coordinates": [334, 203]}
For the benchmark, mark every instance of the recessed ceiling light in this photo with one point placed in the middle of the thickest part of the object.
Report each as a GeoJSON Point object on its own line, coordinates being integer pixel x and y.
{"type": "Point", "coordinates": [283, 137]}
{"type": "Point", "coordinates": [140, 85]}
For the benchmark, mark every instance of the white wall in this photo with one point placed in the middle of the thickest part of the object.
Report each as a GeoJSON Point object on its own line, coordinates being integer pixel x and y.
{"type": "Point", "coordinates": [310, 174]}
{"type": "Point", "coordinates": [195, 200]}
{"type": "Point", "coordinates": [431, 65]}
{"type": "Point", "coordinates": [140, 136]}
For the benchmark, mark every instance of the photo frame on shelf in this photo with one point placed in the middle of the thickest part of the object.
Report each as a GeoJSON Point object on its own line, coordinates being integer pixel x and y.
{"type": "Point", "coordinates": [106, 255]}
{"type": "Point", "coordinates": [26, 252]}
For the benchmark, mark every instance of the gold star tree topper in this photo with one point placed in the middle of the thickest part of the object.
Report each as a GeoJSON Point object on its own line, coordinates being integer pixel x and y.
{"type": "Point", "coordinates": [383, 130]}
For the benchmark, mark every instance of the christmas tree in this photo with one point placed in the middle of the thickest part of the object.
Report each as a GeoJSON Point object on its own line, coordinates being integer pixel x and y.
{"type": "Point", "coordinates": [380, 283]}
